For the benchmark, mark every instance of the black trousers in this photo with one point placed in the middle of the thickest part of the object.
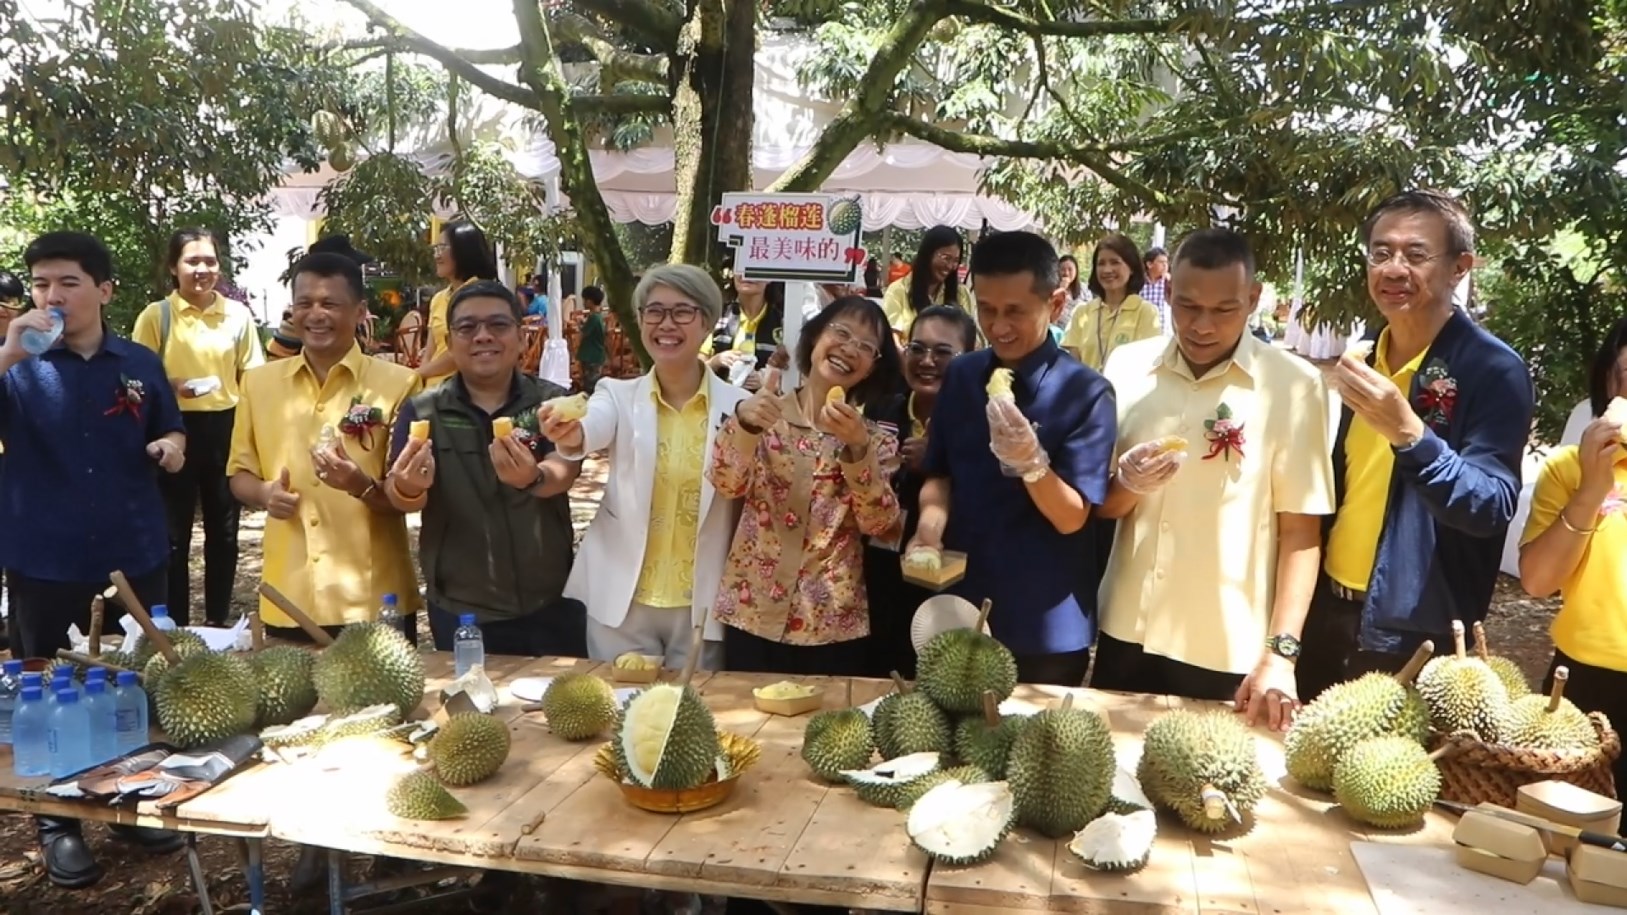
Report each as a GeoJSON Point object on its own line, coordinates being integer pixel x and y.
{"type": "Point", "coordinates": [1595, 689]}
{"type": "Point", "coordinates": [1127, 668]}
{"type": "Point", "coordinates": [748, 653]}
{"type": "Point", "coordinates": [42, 611]}
{"type": "Point", "coordinates": [559, 629]}
{"type": "Point", "coordinates": [203, 483]}
{"type": "Point", "coordinates": [1330, 651]}
{"type": "Point", "coordinates": [1064, 669]}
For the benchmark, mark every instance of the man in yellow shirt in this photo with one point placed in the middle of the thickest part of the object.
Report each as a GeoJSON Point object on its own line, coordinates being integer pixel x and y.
{"type": "Point", "coordinates": [1215, 558]}
{"type": "Point", "coordinates": [309, 448]}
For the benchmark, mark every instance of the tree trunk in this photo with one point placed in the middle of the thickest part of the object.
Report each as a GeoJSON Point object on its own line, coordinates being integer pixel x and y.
{"type": "Point", "coordinates": [711, 120]}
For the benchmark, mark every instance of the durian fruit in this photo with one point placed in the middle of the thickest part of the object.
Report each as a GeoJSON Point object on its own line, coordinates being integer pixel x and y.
{"type": "Point", "coordinates": [1126, 795]}
{"type": "Point", "coordinates": [1506, 670]}
{"type": "Point", "coordinates": [368, 664]}
{"type": "Point", "coordinates": [299, 733]}
{"type": "Point", "coordinates": [883, 784]}
{"type": "Point", "coordinates": [985, 740]}
{"type": "Point", "coordinates": [579, 706]}
{"type": "Point", "coordinates": [418, 796]}
{"type": "Point", "coordinates": [1347, 713]}
{"type": "Point", "coordinates": [469, 748]}
{"type": "Point", "coordinates": [960, 824]}
{"type": "Point", "coordinates": [360, 723]}
{"type": "Point", "coordinates": [1463, 693]}
{"type": "Point", "coordinates": [667, 738]}
{"type": "Point", "coordinates": [909, 722]}
{"type": "Point", "coordinates": [209, 696]}
{"type": "Point", "coordinates": [958, 666]}
{"type": "Point", "coordinates": [156, 665]}
{"type": "Point", "coordinates": [1117, 842]}
{"type": "Point", "coordinates": [1549, 722]}
{"type": "Point", "coordinates": [282, 675]}
{"type": "Point", "coordinates": [1390, 782]}
{"type": "Point", "coordinates": [838, 740]}
{"type": "Point", "coordinates": [148, 650]}
{"type": "Point", "coordinates": [1061, 769]}
{"type": "Point", "coordinates": [912, 792]}
{"type": "Point", "coordinates": [119, 660]}
{"type": "Point", "coordinates": [1204, 766]}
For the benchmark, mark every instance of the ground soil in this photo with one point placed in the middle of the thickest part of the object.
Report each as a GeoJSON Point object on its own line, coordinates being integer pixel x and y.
{"type": "Point", "coordinates": [141, 885]}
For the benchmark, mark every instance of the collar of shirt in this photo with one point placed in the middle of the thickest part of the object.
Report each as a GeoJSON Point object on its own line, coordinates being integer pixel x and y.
{"type": "Point", "coordinates": [1381, 362]}
{"type": "Point", "coordinates": [1030, 370]}
{"type": "Point", "coordinates": [461, 392]}
{"type": "Point", "coordinates": [112, 345]}
{"type": "Point", "coordinates": [353, 362]}
{"type": "Point", "coordinates": [216, 306]}
{"type": "Point", "coordinates": [701, 396]}
{"type": "Point", "coordinates": [1243, 359]}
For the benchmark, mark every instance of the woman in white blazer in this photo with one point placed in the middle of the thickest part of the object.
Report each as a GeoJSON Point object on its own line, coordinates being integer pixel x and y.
{"type": "Point", "coordinates": [649, 566]}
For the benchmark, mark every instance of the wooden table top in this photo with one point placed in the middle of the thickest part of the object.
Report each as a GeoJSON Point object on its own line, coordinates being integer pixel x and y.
{"type": "Point", "coordinates": [784, 835]}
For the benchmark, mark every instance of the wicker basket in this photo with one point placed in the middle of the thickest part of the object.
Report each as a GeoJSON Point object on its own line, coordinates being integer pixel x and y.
{"type": "Point", "coordinates": [1474, 772]}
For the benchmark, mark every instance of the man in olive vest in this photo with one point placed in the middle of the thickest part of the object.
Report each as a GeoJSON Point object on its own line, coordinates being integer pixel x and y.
{"type": "Point", "coordinates": [497, 539]}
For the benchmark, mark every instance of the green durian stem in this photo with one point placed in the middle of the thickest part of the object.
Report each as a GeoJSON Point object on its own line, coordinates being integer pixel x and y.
{"type": "Point", "coordinates": [1444, 750]}
{"type": "Point", "coordinates": [257, 631]}
{"type": "Point", "coordinates": [1459, 640]}
{"type": "Point", "coordinates": [898, 682]}
{"type": "Point", "coordinates": [86, 660]}
{"type": "Point", "coordinates": [850, 693]}
{"type": "Point", "coordinates": [695, 641]}
{"type": "Point", "coordinates": [991, 708]}
{"type": "Point", "coordinates": [1067, 702]}
{"type": "Point", "coordinates": [1561, 674]}
{"type": "Point", "coordinates": [1419, 659]}
{"type": "Point", "coordinates": [983, 615]}
{"type": "Point", "coordinates": [1214, 802]}
{"type": "Point", "coordinates": [281, 602]}
{"type": "Point", "coordinates": [1480, 648]}
{"type": "Point", "coordinates": [98, 608]}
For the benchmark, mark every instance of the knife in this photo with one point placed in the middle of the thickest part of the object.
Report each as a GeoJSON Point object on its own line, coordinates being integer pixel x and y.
{"type": "Point", "coordinates": [1596, 839]}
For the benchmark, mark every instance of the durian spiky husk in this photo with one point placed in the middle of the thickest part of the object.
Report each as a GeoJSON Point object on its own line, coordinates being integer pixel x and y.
{"type": "Point", "coordinates": [579, 706]}
{"type": "Point", "coordinates": [956, 667]}
{"type": "Point", "coordinates": [1464, 694]}
{"type": "Point", "coordinates": [282, 676]}
{"type": "Point", "coordinates": [1389, 782]}
{"type": "Point", "coordinates": [883, 784]}
{"type": "Point", "coordinates": [1061, 770]}
{"type": "Point", "coordinates": [1187, 757]}
{"type": "Point", "coordinates": [906, 723]}
{"type": "Point", "coordinates": [1343, 716]}
{"type": "Point", "coordinates": [369, 664]}
{"type": "Point", "coordinates": [986, 747]}
{"type": "Point", "coordinates": [469, 748]}
{"type": "Point", "coordinates": [209, 696]}
{"type": "Point", "coordinates": [837, 740]}
{"type": "Point", "coordinates": [1117, 842]}
{"type": "Point", "coordinates": [148, 649]}
{"type": "Point", "coordinates": [668, 738]}
{"type": "Point", "coordinates": [418, 796]}
{"type": "Point", "coordinates": [736, 754]}
{"type": "Point", "coordinates": [966, 775]}
{"type": "Point", "coordinates": [1529, 724]}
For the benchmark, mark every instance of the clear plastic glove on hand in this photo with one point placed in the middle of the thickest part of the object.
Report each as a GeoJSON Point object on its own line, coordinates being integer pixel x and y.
{"type": "Point", "coordinates": [1013, 439]}
{"type": "Point", "coordinates": [1148, 466]}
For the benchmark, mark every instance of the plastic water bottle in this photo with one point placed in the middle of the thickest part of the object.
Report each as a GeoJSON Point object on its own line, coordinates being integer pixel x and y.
{"type": "Point", "coordinates": [11, 683]}
{"type": "Point", "coordinates": [103, 716]}
{"type": "Point", "coordinates": [161, 620]}
{"type": "Point", "coordinates": [468, 647]}
{"type": "Point", "coordinates": [390, 612]}
{"type": "Point", "coordinates": [130, 713]}
{"type": "Point", "coordinates": [69, 735]}
{"type": "Point", "coordinates": [60, 683]}
{"type": "Point", "coordinates": [31, 750]}
{"type": "Point", "coordinates": [38, 341]}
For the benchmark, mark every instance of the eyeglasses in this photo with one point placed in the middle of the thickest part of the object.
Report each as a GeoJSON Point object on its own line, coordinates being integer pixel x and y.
{"type": "Point", "coordinates": [654, 315]}
{"type": "Point", "coordinates": [12, 306]}
{"type": "Point", "coordinates": [500, 325]}
{"type": "Point", "coordinates": [1383, 257]}
{"type": "Point", "coordinates": [440, 247]}
{"type": "Point", "coordinates": [844, 336]}
{"type": "Point", "coordinates": [943, 352]}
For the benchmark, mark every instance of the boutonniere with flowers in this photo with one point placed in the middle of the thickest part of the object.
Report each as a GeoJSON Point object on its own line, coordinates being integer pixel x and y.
{"type": "Point", "coordinates": [1613, 504]}
{"type": "Point", "coordinates": [128, 398]}
{"type": "Point", "coordinates": [1437, 394]}
{"type": "Point", "coordinates": [528, 431]}
{"type": "Point", "coordinates": [1225, 435]}
{"type": "Point", "coordinates": [360, 421]}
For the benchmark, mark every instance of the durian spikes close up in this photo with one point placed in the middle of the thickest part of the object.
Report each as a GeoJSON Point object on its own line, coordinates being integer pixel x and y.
{"type": "Point", "coordinates": [1506, 670]}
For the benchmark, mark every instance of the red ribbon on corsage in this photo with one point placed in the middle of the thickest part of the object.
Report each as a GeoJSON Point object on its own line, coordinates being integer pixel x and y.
{"type": "Point", "coordinates": [1225, 436]}
{"type": "Point", "coordinates": [360, 421]}
{"type": "Point", "coordinates": [128, 399]}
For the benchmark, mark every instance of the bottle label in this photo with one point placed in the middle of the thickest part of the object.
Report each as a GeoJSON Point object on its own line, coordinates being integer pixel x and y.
{"type": "Point", "coordinates": [51, 740]}
{"type": "Point", "coordinates": [127, 719]}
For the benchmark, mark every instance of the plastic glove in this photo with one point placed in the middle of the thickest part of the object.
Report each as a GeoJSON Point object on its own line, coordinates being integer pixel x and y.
{"type": "Point", "coordinates": [1013, 440]}
{"type": "Point", "coordinates": [1148, 466]}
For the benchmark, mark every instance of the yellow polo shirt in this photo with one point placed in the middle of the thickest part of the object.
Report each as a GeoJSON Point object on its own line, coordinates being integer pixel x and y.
{"type": "Point", "coordinates": [1369, 463]}
{"type": "Point", "coordinates": [1592, 623]}
{"type": "Point", "coordinates": [1193, 572]}
{"type": "Point", "coordinates": [219, 341]}
{"type": "Point", "coordinates": [440, 330]}
{"type": "Point", "coordinates": [895, 304]}
{"type": "Point", "coordinates": [667, 578]}
{"type": "Point", "coordinates": [1093, 333]}
{"type": "Point", "coordinates": [337, 558]}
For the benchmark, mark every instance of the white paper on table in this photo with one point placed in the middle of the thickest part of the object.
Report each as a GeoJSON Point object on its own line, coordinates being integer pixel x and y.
{"type": "Point", "coordinates": [1413, 880]}
{"type": "Point", "coordinates": [237, 638]}
{"type": "Point", "coordinates": [80, 641]}
{"type": "Point", "coordinates": [530, 689]}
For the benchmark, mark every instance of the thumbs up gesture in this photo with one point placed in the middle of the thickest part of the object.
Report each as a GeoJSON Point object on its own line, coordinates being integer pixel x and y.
{"type": "Point", "coordinates": [761, 410]}
{"type": "Point", "coordinates": [281, 500]}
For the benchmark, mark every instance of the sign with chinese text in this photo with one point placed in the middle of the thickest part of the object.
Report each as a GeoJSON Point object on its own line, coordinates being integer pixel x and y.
{"type": "Point", "coordinates": [809, 238]}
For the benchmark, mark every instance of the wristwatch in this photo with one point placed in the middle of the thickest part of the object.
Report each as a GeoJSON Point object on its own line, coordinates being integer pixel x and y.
{"type": "Point", "coordinates": [1284, 646]}
{"type": "Point", "coordinates": [1034, 476]}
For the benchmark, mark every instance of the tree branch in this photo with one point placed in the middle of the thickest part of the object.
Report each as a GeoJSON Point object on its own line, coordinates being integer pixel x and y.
{"type": "Point", "coordinates": [617, 63]}
{"type": "Point", "coordinates": [416, 43]}
{"type": "Point", "coordinates": [477, 56]}
{"type": "Point", "coordinates": [620, 104]}
{"type": "Point", "coordinates": [974, 11]}
{"type": "Point", "coordinates": [651, 20]}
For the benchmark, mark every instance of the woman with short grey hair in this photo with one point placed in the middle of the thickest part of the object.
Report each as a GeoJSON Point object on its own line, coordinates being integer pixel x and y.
{"type": "Point", "coordinates": [659, 514]}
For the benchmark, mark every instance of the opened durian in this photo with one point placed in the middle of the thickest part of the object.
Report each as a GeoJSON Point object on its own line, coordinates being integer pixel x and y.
{"type": "Point", "coordinates": [1506, 670]}
{"type": "Point", "coordinates": [667, 738]}
{"type": "Point", "coordinates": [1204, 766]}
{"type": "Point", "coordinates": [579, 706]}
{"type": "Point", "coordinates": [958, 666]}
{"type": "Point", "coordinates": [368, 664]}
{"type": "Point", "coordinates": [207, 697]}
{"type": "Point", "coordinates": [959, 824]}
{"type": "Point", "coordinates": [966, 775]}
{"type": "Point", "coordinates": [907, 722]}
{"type": "Point", "coordinates": [883, 784]}
{"type": "Point", "coordinates": [1549, 722]}
{"type": "Point", "coordinates": [282, 676]}
{"type": "Point", "coordinates": [469, 748]}
{"type": "Point", "coordinates": [838, 740]}
{"type": "Point", "coordinates": [1117, 842]}
{"type": "Point", "coordinates": [1348, 713]}
{"type": "Point", "coordinates": [1061, 769]}
{"type": "Point", "coordinates": [985, 740]}
{"type": "Point", "coordinates": [418, 796]}
{"type": "Point", "coordinates": [1463, 693]}
{"type": "Point", "coordinates": [1390, 782]}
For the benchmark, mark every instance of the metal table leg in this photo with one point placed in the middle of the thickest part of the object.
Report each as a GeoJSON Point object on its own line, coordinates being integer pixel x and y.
{"type": "Point", "coordinates": [336, 882]}
{"type": "Point", "coordinates": [196, 867]}
{"type": "Point", "coordinates": [256, 877]}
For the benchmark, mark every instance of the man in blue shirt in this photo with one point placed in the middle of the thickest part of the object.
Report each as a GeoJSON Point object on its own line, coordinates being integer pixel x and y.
{"type": "Point", "coordinates": [1011, 482]}
{"type": "Point", "coordinates": [89, 425]}
{"type": "Point", "coordinates": [1427, 459]}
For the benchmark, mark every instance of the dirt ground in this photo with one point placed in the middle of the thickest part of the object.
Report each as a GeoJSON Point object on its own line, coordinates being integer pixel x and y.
{"type": "Point", "coordinates": [140, 885]}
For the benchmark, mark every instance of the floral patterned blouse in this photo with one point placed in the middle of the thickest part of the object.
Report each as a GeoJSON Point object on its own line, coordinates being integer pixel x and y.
{"type": "Point", "coordinates": [795, 573]}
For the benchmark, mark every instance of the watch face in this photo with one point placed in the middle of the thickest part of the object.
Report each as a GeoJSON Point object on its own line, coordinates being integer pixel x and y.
{"type": "Point", "coordinates": [1285, 645]}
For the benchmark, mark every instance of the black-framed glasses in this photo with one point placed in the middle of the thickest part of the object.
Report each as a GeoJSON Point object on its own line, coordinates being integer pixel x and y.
{"type": "Point", "coordinates": [844, 336]}
{"type": "Point", "coordinates": [1383, 257]}
{"type": "Point", "coordinates": [943, 352]}
{"type": "Point", "coordinates": [653, 315]}
{"type": "Point", "coordinates": [498, 325]}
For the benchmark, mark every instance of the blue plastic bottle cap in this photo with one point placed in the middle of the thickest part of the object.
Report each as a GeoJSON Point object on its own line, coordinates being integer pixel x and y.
{"type": "Point", "coordinates": [69, 696]}
{"type": "Point", "coordinates": [159, 610]}
{"type": "Point", "coordinates": [466, 619]}
{"type": "Point", "coordinates": [32, 678]}
{"type": "Point", "coordinates": [389, 600]}
{"type": "Point", "coordinates": [13, 668]}
{"type": "Point", "coordinates": [126, 678]}
{"type": "Point", "coordinates": [32, 694]}
{"type": "Point", "coordinates": [62, 676]}
{"type": "Point", "coordinates": [95, 673]}
{"type": "Point", "coordinates": [95, 686]}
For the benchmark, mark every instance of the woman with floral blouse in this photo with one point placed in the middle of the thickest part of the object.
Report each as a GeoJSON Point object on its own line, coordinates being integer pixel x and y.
{"type": "Point", "coordinates": [814, 474]}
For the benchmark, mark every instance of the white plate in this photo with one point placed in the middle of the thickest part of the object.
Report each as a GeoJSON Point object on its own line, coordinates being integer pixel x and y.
{"type": "Point", "coordinates": [530, 689]}
{"type": "Point", "coordinates": [941, 613]}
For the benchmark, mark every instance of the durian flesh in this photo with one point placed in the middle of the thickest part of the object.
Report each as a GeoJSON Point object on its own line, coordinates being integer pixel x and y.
{"type": "Point", "coordinates": [785, 689]}
{"type": "Point", "coordinates": [959, 824]}
{"type": "Point", "coordinates": [1117, 841]}
{"type": "Point", "coordinates": [668, 738]}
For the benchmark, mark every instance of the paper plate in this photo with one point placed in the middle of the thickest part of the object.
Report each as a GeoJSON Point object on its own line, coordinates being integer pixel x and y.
{"type": "Point", "coordinates": [529, 689]}
{"type": "Point", "coordinates": [941, 613]}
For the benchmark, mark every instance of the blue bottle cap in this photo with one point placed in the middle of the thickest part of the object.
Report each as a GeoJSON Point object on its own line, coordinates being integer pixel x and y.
{"type": "Point", "coordinates": [62, 675]}
{"type": "Point", "coordinates": [32, 694]}
{"type": "Point", "coordinates": [33, 678]}
{"type": "Point", "coordinates": [95, 673]}
{"type": "Point", "coordinates": [68, 696]}
{"type": "Point", "coordinates": [95, 687]}
{"type": "Point", "coordinates": [126, 678]}
{"type": "Point", "coordinates": [389, 600]}
{"type": "Point", "coordinates": [13, 668]}
{"type": "Point", "coordinates": [159, 610]}
{"type": "Point", "coordinates": [466, 619]}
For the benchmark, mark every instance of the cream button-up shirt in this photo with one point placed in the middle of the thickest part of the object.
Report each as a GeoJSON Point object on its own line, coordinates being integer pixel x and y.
{"type": "Point", "coordinates": [1194, 567]}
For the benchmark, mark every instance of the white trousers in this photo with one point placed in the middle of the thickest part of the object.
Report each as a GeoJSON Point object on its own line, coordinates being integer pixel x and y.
{"type": "Point", "coordinates": [664, 632]}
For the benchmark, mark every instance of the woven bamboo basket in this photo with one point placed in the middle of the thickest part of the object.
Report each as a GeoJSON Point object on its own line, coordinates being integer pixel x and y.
{"type": "Point", "coordinates": [1474, 772]}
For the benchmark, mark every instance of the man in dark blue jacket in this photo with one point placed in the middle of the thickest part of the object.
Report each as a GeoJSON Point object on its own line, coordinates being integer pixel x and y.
{"type": "Point", "coordinates": [1427, 459]}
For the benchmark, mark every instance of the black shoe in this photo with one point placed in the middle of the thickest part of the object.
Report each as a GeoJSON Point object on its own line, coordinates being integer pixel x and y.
{"type": "Point", "coordinates": [152, 841]}
{"type": "Point", "coordinates": [68, 861]}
